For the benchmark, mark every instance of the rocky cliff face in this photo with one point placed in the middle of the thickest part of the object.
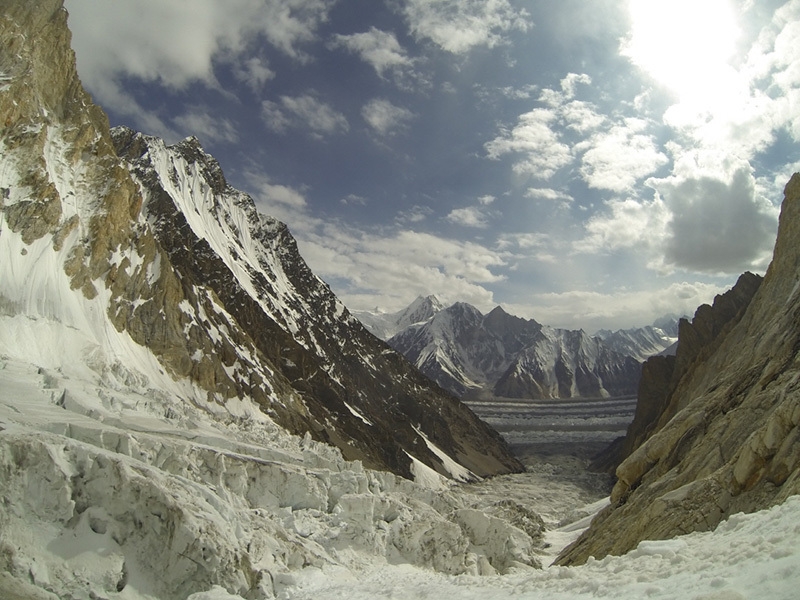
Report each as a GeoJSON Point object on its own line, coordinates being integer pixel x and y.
{"type": "Point", "coordinates": [158, 249]}
{"type": "Point", "coordinates": [661, 375]}
{"type": "Point", "coordinates": [470, 353]}
{"type": "Point", "coordinates": [728, 437]}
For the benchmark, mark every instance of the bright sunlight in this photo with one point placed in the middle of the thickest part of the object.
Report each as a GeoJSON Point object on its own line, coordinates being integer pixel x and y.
{"type": "Point", "coordinates": [685, 45]}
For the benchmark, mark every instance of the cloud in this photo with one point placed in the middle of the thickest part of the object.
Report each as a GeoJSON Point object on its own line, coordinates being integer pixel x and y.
{"type": "Point", "coordinates": [303, 112]}
{"type": "Point", "coordinates": [209, 128]}
{"type": "Point", "coordinates": [581, 117]}
{"type": "Point", "coordinates": [254, 71]}
{"type": "Point", "coordinates": [172, 45]}
{"type": "Point", "coordinates": [626, 223]}
{"type": "Point", "coordinates": [458, 26]}
{"type": "Point", "coordinates": [535, 138]}
{"type": "Point", "coordinates": [383, 52]}
{"type": "Point", "coordinates": [714, 224]}
{"type": "Point", "coordinates": [385, 118]}
{"type": "Point", "coordinates": [353, 200]}
{"type": "Point", "coordinates": [717, 225]}
{"type": "Point", "coordinates": [471, 216]}
{"type": "Point", "coordinates": [548, 194]}
{"type": "Point", "coordinates": [389, 268]}
{"type": "Point", "coordinates": [621, 156]}
{"type": "Point", "coordinates": [621, 308]}
{"type": "Point", "coordinates": [415, 214]}
{"type": "Point", "coordinates": [280, 201]}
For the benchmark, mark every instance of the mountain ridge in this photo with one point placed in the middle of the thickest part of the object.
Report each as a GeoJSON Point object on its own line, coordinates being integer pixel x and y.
{"type": "Point", "coordinates": [157, 249]}
{"type": "Point", "coordinates": [500, 354]}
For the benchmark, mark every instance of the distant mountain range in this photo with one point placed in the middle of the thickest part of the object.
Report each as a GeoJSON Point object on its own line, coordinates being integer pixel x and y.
{"type": "Point", "coordinates": [498, 354]}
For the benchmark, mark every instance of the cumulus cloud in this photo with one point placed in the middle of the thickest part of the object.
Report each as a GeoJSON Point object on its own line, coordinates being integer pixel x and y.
{"type": "Point", "coordinates": [714, 224]}
{"type": "Point", "coordinates": [385, 118]}
{"type": "Point", "coordinates": [457, 26]}
{"type": "Point", "coordinates": [173, 45]}
{"type": "Point", "coordinates": [625, 223]}
{"type": "Point", "coordinates": [717, 225]}
{"type": "Point", "coordinates": [533, 137]}
{"type": "Point", "coordinates": [471, 216]}
{"type": "Point", "coordinates": [617, 158]}
{"type": "Point", "coordinates": [306, 112]}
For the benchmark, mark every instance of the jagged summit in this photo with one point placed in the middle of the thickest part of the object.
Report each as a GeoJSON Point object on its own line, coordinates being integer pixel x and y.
{"type": "Point", "coordinates": [385, 325]}
{"type": "Point", "coordinates": [500, 354]}
{"type": "Point", "coordinates": [643, 342]}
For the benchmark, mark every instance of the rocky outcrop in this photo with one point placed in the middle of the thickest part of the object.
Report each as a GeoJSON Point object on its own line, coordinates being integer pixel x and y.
{"type": "Point", "coordinates": [728, 438]}
{"type": "Point", "coordinates": [159, 248]}
{"type": "Point", "coordinates": [661, 375]}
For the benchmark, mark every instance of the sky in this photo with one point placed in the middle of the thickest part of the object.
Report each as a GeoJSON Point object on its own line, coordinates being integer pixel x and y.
{"type": "Point", "coordinates": [588, 164]}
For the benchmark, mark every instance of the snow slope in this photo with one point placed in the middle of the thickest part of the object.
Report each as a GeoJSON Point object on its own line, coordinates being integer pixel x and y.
{"type": "Point", "coordinates": [114, 490]}
{"type": "Point", "coordinates": [755, 556]}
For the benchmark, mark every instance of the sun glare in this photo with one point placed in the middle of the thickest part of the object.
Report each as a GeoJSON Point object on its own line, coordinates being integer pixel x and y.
{"type": "Point", "coordinates": [684, 44]}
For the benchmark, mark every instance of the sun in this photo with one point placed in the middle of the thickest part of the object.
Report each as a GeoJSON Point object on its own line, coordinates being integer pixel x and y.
{"type": "Point", "coordinates": [684, 44]}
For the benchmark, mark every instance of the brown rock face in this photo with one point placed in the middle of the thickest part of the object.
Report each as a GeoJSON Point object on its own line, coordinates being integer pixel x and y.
{"type": "Point", "coordinates": [657, 399]}
{"type": "Point", "coordinates": [727, 439]}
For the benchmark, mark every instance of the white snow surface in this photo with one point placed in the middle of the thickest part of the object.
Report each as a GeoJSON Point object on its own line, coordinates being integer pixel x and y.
{"type": "Point", "coordinates": [115, 488]}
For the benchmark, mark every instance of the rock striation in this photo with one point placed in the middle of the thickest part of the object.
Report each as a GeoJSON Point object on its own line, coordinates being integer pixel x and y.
{"type": "Point", "coordinates": [728, 436]}
{"type": "Point", "coordinates": [116, 234]}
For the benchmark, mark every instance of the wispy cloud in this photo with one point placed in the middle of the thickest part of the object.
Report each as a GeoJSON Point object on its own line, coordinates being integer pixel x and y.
{"type": "Point", "coordinates": [615, 309]}
{"type": "Point", "coordinates": [381, 50]}
{"type": "Point", "coordinates": [209, 128]}
{"type": "Point", "coordinates": [457, 26]}
{"type": "Point", "coordinates": [303, 112]}
{"type": "Point", "coordinates": [385, 118]}
{"type": "Point", "coordinates": [389, 270]}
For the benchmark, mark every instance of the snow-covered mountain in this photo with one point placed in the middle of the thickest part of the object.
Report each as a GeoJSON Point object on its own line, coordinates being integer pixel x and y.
{"type": "Point", "coordinates": [643, 342]}
{"type": "Point", "coordinates": [385, 325]}
{"type": "Point", "coordinates": [125, 238]}
{"type": "Point", "coordinates": [470, 353]}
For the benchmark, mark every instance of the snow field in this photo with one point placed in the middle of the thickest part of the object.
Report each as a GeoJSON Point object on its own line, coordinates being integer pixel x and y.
{"type": "Point", "coordinates": [115, 488]}
{"type": "Point", "coordinates": [753, 557]}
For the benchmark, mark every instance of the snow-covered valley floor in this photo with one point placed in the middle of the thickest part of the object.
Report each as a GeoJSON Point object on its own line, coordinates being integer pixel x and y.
{"type": "Point", "coordinates": [122, 486]}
